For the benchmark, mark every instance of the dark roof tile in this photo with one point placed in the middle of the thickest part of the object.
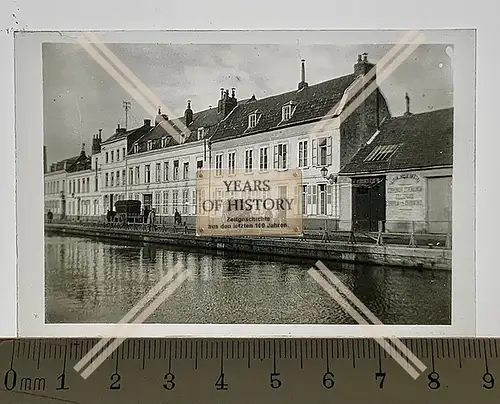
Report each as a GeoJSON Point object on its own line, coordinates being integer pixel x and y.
{"type": "Point", "coordinates": [425, 140]}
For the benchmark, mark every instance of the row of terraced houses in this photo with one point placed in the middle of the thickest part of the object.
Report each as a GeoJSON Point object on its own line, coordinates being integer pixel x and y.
{"type": "Point", "coordinates": [360, 165]}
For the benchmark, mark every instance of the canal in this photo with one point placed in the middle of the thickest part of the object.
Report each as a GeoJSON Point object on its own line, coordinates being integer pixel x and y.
{"type": "Point", "coordinates": [99, 281]}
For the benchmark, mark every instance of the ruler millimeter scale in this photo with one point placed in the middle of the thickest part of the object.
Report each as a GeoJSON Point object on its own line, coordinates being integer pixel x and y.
{"type": "Point", "coordinates": [249, 371]}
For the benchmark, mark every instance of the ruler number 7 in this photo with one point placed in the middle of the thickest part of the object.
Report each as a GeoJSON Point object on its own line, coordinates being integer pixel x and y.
{"type": "Point", "coordinates": [380, 375]}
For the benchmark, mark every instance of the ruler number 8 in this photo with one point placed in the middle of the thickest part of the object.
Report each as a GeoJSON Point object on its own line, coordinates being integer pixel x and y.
{"type": "Point", "coordinates": [434, 381]}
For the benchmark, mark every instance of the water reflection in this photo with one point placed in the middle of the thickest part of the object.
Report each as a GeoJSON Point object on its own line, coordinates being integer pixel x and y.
{"type": "Point", "coordinates": [96, 281]}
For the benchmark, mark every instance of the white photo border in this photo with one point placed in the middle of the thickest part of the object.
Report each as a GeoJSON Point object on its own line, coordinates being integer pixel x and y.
{"type": "Point", "coordinates": [29, 167]}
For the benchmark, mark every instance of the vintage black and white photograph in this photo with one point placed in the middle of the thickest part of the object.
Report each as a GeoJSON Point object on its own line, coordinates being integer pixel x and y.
{"type": "Point", "coordinates": [363, 132]}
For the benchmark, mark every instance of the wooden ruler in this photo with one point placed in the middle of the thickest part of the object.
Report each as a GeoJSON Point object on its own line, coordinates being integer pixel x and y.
{"type": "Point", "coordinates": [161, 371]}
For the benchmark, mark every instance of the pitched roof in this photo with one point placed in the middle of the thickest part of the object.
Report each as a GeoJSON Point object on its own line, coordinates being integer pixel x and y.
{"type": "Point", "coordinates": [207, 119]}
{"type": "Point", "coordinates": [310, 103]}
{"type": "Point", "coordinates": [415, 141]}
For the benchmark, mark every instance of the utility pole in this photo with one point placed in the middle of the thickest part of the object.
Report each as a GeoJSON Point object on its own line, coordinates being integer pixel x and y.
{"type": "Point", "coordinates": [126, 105]}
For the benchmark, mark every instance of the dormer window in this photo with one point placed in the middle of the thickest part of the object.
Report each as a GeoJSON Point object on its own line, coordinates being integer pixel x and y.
{"type": "Point", "coordinates": [286, 112]}
{"type": "Point", "coordinates": [163, 141]}
{"type": "Point", "coordinates": [150, 145]}
{"type": "Point", "coordinates": [252, 120]}
{"type": "Point", "coordinates": [201, 133]}
{"type": "Point", "coordinates": [136, 148]}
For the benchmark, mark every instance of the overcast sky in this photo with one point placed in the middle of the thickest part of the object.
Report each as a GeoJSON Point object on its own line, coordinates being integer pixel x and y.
{"type": "Point", "coordinates": [80, 96]}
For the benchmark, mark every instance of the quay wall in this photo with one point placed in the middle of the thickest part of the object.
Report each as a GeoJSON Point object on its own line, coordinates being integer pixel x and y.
{"type": "Point", "coordinates": [392, 255]}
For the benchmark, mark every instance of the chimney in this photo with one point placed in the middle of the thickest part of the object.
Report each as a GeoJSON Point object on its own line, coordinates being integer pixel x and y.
{"type": "Point", "coordinates": [226, 103]}
{"type": "Point", "coordinates": [100, 134]}
{"type": "Point", "coordinates": [147, 122]}
{"type": "Point", "coordinates": [362, 65]}
{"type": "Point", "coordinates": [82, 153]}
{"type": "Point", "coordinates": [44, 159]}
{"type": "Point", "coordinates": [96, 143]}
{"type": "Point", "coordinates": [188, 114]}
{"type": "Point", "coordinates": [302, 84]}
{"type": "Point", "coordinates": [407, 100]}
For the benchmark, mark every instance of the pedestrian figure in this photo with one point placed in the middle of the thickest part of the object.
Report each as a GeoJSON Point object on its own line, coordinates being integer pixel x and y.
{"type": "Point", "coordinates": [177, 218]}
{"type": "Point", "coordinates": [108, 216]}
{"type": "Point", "coordinates": [146, 215]}
{"type": "Point", "coordinates": [151, 219]}
{"type": "Point", "coordinates": [49, 216]}
{"type": "Point", "coordinates": [324, 236]}
{"type": "Point", "coordinates": [185, 227]}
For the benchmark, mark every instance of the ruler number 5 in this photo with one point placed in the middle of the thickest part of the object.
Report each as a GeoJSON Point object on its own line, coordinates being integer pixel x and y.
{"type": "Point", "coordinates": [275, 382]}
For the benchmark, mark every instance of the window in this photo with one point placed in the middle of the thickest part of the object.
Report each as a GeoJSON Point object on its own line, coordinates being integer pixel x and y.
{"type": "Point", "coordinates": [96, 184]}
{"type": "Point", "coordinates": [185, 201]}
{"type": "Point", "coordinates": [322, 151]}
{"type": "Point", "coordinates": [286, 112]}
{"type": "Point", "coordinates": [218, 165]}
{"type": "Point", "coordinates": [263, 158]}
{"type": "Point", "coordinates": [147, 173]}
{"type": "Point", "coordinates": [303, 153]}
{"type": "Point", "coordinates": [252, 120]}
{"type": "Point", "coordinates": [107, 180]}
{"type": "Point", "coordinates": [280, 156]}
{"type": "Point", "coordinates": [136, 148]}
{"type": "Point", "coordinates": [112, 155]}
{"type": "Point", "coordinates": [165, 171]}
{"type": "Point", "coordinates": [322, 199]}
{"type": "Point", "coordinates": [176, 170]}
{"type": "Point", "coordinates": [158, 172]}
{"type": "Point", "coordinates": [83, 185]}
{"type": "Point", "coordinates": [107, 157]}
{"type": "Point", "coordinates": [118, 155]}
{"type": "Point", "coordinates": [231, 162]}
{"type": "Point", "coordinates": [117, 178]}
{"type": "Point", "coordinates": [88, 184]}
{"type": "Point", "coordinates": [149, 145]}
{"type": "Point", "coordinates": [248, 161]}
{"type": "Point", "coordinates": [124, 178]}
{"type": "Point", "coordinates": [185, 171]}
{"type": "Point", "coordinates": [157, 203]}
{"type": "Point", "coordinates": [96, 163]}
{"type": "Point", "coordinates": [199, 164]}
{"type": "Point", "coordinates": [304, 200]}
{"type": "Point", "coordinates": [124, 152]}
{"type": "Point", "coordinates": [165, 202]}
{"type": "Point", "coordinates": [175, 198]}
{"type": "Point", "coordinates": [193, 201]}
{"type": "Point", "coordinates": [164, 141]}
{"type": "Point", "coordinates": [131, 175]}
{"type": "Point", "coordinates": [201, 133]}
{"type": "Point", "coordinates": [112, 180]}
{"type": "Point", "coordinates": [382, 153]}
{"type": "Point", "coordinates": [137, 175]}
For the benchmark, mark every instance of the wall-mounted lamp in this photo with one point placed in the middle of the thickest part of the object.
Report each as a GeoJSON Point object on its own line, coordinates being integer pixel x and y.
{"type": "Point", "coordinates": [332, 179]}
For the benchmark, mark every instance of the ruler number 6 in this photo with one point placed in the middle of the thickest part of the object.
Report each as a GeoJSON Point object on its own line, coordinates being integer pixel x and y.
{"type": "Point", "coordinates": [328, 381]}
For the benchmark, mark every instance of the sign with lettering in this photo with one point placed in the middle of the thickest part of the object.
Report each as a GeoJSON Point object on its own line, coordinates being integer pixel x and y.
{"type": "Point", "coordinates": [405, 195]}
{"type": "Point", "coordinates": [236, 203]}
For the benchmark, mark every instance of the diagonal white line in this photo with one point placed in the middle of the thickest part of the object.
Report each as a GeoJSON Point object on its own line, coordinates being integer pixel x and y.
{"type": "Point", "coordinates": [316, 275]}
{"type": "Point", "coordinates": [135, 93]}
{"type": "Point", "coordinates": [132, 77]}
{"type": "Point", "coordinates": [352, 297]}
{"type": "Point", "coordinates": [132, 313]}
{"type": "Point", "coordinates": [140, 319]}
